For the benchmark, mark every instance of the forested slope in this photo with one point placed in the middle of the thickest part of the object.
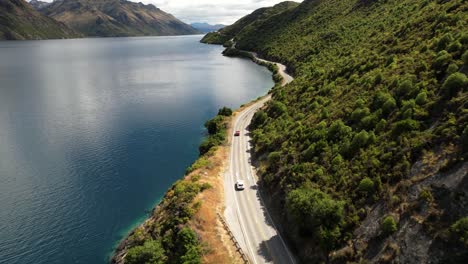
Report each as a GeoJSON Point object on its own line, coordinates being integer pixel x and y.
{"type": "Point", "coordinates": [363, 156]}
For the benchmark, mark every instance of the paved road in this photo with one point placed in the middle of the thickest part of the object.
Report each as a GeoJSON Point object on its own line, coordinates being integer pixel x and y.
{"type": "Point", "coordinates": [245, 213]}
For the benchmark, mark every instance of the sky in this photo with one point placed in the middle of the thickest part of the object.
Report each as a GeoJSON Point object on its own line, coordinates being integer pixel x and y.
{"type": "Point", "coordinates": [210, 11]}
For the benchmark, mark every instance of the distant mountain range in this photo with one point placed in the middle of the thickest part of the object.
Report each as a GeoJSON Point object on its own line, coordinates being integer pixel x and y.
{"type": "Point", "coordinates": [115, 18]}
{"type": "Point", "coordinates": [18, 21]}
{"type": "Point", "coordinates": [38, 4]}
{"type": "Point", "coordinates": [205, 27]}
{"type": "Point", "coordinates": [93, 18]}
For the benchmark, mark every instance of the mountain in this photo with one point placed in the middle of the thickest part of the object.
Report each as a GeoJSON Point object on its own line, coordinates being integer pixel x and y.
{"type": "Point", "coordinates": [363, 158]}
{"type": "Point", "coordinates": [18, 20]}
{"type": "Point", "coordinates": [36, 4]}
{"type": "Point", "coordinates": [256, 17]}
{"type": "Point", "coordinates": [205, 27]}
{"type": "Point", "coordinates": [116, 18]}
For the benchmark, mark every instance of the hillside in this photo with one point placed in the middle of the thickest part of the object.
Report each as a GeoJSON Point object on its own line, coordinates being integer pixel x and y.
{"type": "Point", "coordinates": [251, 20]}
{"type": "Point", "coordinates": [363, 157]}
{"type": "Point", "coordinates": [18, 20]}
{"type": "Point", "coordinates": [116, 18]}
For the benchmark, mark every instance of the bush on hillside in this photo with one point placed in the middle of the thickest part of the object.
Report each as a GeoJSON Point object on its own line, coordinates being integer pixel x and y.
{"type": "Point", "coordinates": [455, 83]}
{"type": "Point", "coordinates": [389, 225]}
{"type": "Point", "coordinates": [150, 252]}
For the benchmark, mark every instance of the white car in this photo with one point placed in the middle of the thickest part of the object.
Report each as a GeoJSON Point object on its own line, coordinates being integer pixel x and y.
{"type": "Point", "coordinates": [240, 185]}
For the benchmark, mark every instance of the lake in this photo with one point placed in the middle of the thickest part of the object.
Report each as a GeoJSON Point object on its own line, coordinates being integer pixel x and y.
{"type": "Point", "coordinates": [94, 131]}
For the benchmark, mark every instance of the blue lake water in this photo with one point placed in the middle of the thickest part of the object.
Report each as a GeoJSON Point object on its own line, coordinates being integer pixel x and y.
{"type": "Point", "coordinates": [94, 131]}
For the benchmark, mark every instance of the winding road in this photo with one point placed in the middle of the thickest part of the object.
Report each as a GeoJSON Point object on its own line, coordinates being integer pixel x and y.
{"type": "Point", "coordinates": [245, 212]}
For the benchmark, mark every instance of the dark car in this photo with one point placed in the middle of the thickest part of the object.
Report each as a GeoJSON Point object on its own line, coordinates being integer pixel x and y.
{"type": "Point", "coordinates": [237, 134]}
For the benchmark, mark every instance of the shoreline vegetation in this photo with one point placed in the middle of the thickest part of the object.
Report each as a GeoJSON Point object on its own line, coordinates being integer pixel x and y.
{"type": "Point", "coordinates": [184, 227]}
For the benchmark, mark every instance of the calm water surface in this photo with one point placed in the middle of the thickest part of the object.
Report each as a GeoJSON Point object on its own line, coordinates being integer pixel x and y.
{"type": "Point", "coordinates": [93, 132]}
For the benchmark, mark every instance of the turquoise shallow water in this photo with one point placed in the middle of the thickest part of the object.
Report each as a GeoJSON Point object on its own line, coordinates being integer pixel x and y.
{"type": "Point", "coordinates": [93, 132]}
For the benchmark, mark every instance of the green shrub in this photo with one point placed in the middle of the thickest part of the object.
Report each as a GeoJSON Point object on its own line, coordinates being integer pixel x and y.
{"type": "Point", "coordinates": [389, 225]}
{"type": "Point", "coordinates": [274, 157]}
{"type": "Point", "coordinates": [313, 209]}
{"type": "Point", "coordinates": [455, 46]}
{"type": "Point", "coordinates": [389, 106]}
{"type": "Point", "coordinates": [405, 126]}
{"type": "Point", "coordinates": [188, 249]}
{"type": "Point", "coordinates": [442, 60]}
{"type": "Point", "coordinates": [215, 125]}
{"type": "Point", "coordinates": [452, 68]}
{"type": "Point", "coordinates": [366, 186]}
{"type": "Point", "coordinates": [360, 140]}
{"type": "Point", "coordinates": [444, 41]}
{"type": "Point", "coordinates": [151, 252]}
{"type": "Point", "coordinates": [259, 118]}
{"type": "Point", "coordinates": [225, 111]}
{"type": "Point", "coordinates": [338, 131]}
{"type": "Point", "coordinates": [277, 109]}
{"type": "Point", "coordinates": [426, 195]}
{"type": "Point", "coordinates": [465, 57]}
{"type": "Point", "coordinates": [421, 99]}
{"type": "Point", "coordinates": [454, 83]}
{"type": "Point", "coordinates": [459, 230]}
{"type": "Point", "coordinates": [406, 89]}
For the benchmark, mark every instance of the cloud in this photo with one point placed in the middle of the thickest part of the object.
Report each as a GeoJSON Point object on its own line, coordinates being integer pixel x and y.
{"type": "Point", "coordinates": [210, 11]}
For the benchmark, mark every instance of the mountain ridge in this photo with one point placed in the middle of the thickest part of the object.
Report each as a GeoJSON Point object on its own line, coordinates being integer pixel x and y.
{"type": "Point", "coordinates": [116, 18]}
{"type": "Point", "coordinates": [19, 21]}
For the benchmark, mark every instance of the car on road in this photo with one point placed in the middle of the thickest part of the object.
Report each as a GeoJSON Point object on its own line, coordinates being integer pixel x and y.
{"type": "Point", "coordinates": [240, 185]}
{"type": "Point", "coordinates": [237, 133]}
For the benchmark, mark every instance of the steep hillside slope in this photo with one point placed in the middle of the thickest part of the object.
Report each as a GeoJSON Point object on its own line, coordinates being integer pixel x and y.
{"type": "Point", "coordinates": [116, 18]}
{"type": "Point", "coordinates": [251, 20]}
{"type": "Point", "coordinates": [18, 20]}
{"type": "Point", "coordinates": [363, 157]}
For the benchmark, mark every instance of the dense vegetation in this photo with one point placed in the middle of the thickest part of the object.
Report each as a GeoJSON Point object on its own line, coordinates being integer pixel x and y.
{"type": "Point", "coordinates": [380, 86]}
{"type": "Point", "coordinates": [167, 236]}
{"type": "Point", "coordinates": [19, 21]}
{"type": "Point", "coordinates": [169, 239]}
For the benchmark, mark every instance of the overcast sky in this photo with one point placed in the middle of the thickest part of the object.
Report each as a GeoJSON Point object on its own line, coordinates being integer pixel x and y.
{"type": "Point", "coordinates": [211, 11]}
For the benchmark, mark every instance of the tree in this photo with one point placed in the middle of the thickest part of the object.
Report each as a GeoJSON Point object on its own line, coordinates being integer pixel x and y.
{"type": "Point", "coordinates": [454, 84]}
{"type": "Point", "coordinates": [225, 111]}
{"type": "Point", "coordinates": [259, 118]}
{"type": "Point", "coordinates": [404, 126]}
{"type": "Point", "coordinates": [214, 125]}
{"type": "Point", "coordinates": [465, 57]}
{"type": "Point", "coordinates": [317, 213]}
{"type": "Point", "coordinates": [188, 248]}
{"type": "Point", "coordinates": [366, 186]}
{"type": "Point", "coordinates": [442, 60]}
{"type": "Point", "coordinates": [312, 208]}
{"type": "Point", "coordinates": [459, 230]}
{"type": "Point", "coordinates": [360, 140]}
{"type": "Point", "coordinates": [389, 225]}
{"type": "Point", "coordinates": [151, 252]}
